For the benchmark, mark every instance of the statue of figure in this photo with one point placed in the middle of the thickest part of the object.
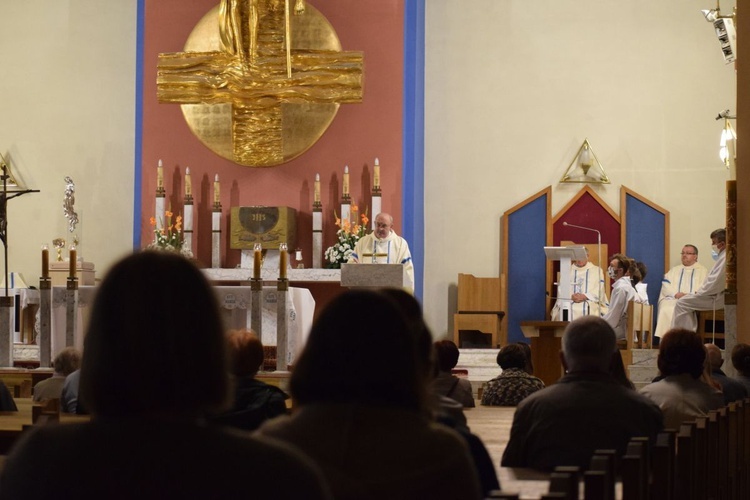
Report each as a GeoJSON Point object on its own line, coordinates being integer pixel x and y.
{"type": "Point", "coordinates": [68, 202]}
{"type": "Point", "coordinates": [235, 18]}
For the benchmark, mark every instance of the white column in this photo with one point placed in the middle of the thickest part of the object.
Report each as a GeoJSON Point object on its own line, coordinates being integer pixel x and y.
{"type": "Point", "coordinates": [216, 237]}
{"type": "Point", "coordinates": [317, 237]}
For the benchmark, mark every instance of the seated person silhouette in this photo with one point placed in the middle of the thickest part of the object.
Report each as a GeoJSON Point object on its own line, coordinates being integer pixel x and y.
{"type": "Point", "coordinates": [154, 366]}
{"type": "Point", "coordinates": [587, 409]}
{"type": "Point", "coordinates": [254, 401]}
{"type": "Point", "coordinates": [361, 407]}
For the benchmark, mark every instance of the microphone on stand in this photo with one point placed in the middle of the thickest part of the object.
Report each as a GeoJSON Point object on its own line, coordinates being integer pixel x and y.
{"type": "Point", "coordinates": [599, 252]}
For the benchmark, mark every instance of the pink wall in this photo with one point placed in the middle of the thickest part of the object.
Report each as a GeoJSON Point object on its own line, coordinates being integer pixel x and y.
{"type": "Point", "coordinates": [360, 133]}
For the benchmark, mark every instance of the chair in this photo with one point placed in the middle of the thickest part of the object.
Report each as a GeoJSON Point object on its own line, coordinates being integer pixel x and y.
{"type": "Point", "coordinates": [640, 326]}
{"type": "Point", "coordinates": [707, 325]}
{"type": "Point", "coordinates": [479, 307]}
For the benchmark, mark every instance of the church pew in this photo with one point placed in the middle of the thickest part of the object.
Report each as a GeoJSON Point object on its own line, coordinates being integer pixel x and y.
{"type": "Point", "coordinates": [635, 471]}
{"type": "Point", "coordinates": [662, 460]}
{"type": "Point", "coordinates": [565, 480]}
{"type": "Point", "coordinates": [733, 449]}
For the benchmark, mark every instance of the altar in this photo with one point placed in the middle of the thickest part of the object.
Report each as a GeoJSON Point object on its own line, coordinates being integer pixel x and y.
{"type": "Point", "coordinates": [323, 284]}
{"type": "Point", "coordinates": [234, 303]}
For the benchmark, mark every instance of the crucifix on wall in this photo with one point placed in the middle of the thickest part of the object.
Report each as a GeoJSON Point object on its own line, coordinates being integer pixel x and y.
{"type": "Point", "coordinates": [234, 86]}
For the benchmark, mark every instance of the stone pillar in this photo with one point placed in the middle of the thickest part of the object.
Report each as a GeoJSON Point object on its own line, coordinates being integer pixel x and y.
{"type": "Point", "coordinates": [282, 325]}
{"type": "Point", "coordinates": [45, 323]}
{"type": "Point", "coordinates": [256, 307]}
{"type": "Point", "coordinates": [71, 311]}
{"type": "Point", "coordinates": [6, 331]}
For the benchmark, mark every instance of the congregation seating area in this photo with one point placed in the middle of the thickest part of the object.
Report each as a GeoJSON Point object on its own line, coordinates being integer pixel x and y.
{"type": "Point", "coordinates": [708, 458]}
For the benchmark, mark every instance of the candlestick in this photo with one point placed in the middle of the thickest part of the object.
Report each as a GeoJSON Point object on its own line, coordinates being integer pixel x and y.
{"type": "Point", "coordinates": [73, 262]}
{"type": "Point", "coordinates": [376, 175]}
{"type": "Point", "coordinates": [346, 180]}
{"type": "Point", "coordinates": [216, 190]}
{"type": "Point", "coordinates": [316, 198]}
{"type": "Point", "coordinates": [256, 260]}
{"type": "Point", "coordinates": [283, 259]}
{"type": "Point", "coordinates": [188, 183]}
{"type": "Point", "coordinates": [45, 262]}
{"type": "Point", "coordinates": [160, 176]}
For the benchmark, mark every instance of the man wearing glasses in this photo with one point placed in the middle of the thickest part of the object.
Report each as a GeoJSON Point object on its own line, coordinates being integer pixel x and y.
{"type": "Point", "coordinates": [710, 296]}
{"type": "Point", "coordinates": [679, 281]}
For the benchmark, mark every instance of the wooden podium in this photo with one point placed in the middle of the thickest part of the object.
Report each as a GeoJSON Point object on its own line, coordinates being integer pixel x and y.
{"type": "Point", "coordinates": [546, 344]}
{"type": "Point", "coordinates": [373, 276]}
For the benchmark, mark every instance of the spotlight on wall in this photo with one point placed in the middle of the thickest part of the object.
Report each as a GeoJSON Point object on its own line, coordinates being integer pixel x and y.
{"type": "Point", "coordinates": [725, 31]}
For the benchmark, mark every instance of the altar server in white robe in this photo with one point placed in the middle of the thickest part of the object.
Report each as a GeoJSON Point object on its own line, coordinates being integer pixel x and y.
{"type": "Point", "coordinates": [678, 282]}
{"type": "Point", "coordinates": [588, 294]}
{"type": "Point", "coordinates": [710, 296]}
{"type": "Point", "coordinates": [384, 246]}
{"type": "Point", "coordinates": [620, 269]}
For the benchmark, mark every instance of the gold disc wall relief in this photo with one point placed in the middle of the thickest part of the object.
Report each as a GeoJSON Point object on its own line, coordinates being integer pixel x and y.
{"type": "Point", "coordinates": [233, 79]}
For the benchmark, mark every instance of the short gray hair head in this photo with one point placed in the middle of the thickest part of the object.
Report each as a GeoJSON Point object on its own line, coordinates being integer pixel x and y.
{"type": "Point", "coordinates": [588, 344]}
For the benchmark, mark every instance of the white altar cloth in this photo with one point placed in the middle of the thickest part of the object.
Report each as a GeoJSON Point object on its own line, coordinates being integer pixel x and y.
{"type": "Point", "coordinates": [234, 301]}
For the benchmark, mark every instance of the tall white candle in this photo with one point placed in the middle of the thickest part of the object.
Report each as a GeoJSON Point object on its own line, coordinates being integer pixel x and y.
{"type": "Point", "coordinates": [376, 174]}
{"type": "Point", "coordinates": [160, 176]}
{"type": "Point", "coordinates": [346, 180]}
{"type": "Point", "coordinates": [188, 183]}
{"type": "Point", "coordinates": [316, 198]}
{"type": "Point", "coordinates": [217, 196]}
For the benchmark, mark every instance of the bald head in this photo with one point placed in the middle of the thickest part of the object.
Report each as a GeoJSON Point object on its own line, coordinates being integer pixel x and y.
{"type": "Point", "coordinates": [383, 225]}
{"type": "Point", "coordinates": [588, 345]}
{"type": "Point", "coordinates": [714, 356]}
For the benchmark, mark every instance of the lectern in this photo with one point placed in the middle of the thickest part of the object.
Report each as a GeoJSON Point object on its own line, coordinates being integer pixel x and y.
{"type": "Point", "coordinates": [565, 255]}
{"type": "Point", "coordinates": [373, 276]}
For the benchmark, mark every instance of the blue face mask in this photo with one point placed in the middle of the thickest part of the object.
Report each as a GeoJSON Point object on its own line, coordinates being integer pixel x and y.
{"type": "Point", "coordinates": [714, 255]}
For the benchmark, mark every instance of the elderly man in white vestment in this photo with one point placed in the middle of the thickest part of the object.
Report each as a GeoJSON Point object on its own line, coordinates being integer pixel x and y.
{"type": "Point", "coordinates": [384, 246]}
{"type": "Point", "coordinates": [678, 282]}
{"type": "Point", "coordinates": [588, 294]}
{"type": "Point", "coordinates": [710, 296]}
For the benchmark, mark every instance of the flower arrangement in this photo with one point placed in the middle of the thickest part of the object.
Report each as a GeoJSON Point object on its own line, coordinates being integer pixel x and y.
{"type": "Point", "coordinates": [349, 233]}
{"type": "Point", "coordinates": [170, 237]}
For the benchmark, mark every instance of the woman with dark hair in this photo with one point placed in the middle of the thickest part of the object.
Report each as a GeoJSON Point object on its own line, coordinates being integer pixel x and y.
{"type": "Point", "coordinates": [254, 401]}
{"type": "Point", "coordinates": [529, 368]}
{"type": "Point", "coordinates": [362, 408]}
{"type": "Point", "coordinates": [445, 383]}
{"type": "Point", "coordinates": [514, 384]}
{"type": "Point", "coordinates": [155, 365]}
{"type": "Point", "coordinates": [681, 394]}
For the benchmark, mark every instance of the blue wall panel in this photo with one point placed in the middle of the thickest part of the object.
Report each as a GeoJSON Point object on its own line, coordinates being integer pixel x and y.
{"type": "Point", "coordinates": [645, 241]}
{"type": "Point", "coordinates": [527, 237]}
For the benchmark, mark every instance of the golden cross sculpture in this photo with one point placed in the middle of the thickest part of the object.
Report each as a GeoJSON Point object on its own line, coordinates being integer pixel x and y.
{"type": "Point", "coordinates": [233, 80]}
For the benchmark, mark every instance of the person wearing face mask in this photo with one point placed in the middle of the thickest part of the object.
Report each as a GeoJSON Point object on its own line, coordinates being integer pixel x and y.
{"type": "Point", "coordinates": [620, 269]}
{"type": "Point", "coordinates": [587, 292]}
{"type": "Point", "coordinates": [678, 282]}
{"type": "Point", "coordinates": [710, 296]}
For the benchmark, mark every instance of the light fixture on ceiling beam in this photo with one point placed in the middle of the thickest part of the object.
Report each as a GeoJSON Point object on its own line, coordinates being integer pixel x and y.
{"type": "Point", "coordinates": [725, 30]}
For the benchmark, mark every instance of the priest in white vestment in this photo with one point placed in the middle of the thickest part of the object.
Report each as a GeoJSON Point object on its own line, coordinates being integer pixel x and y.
{"type": "Point", "coordinates": [588, 294]}
{"type": "Point", "coordinates": [710, 296]}
{"type": "Point", "coordinates": [678, 282]}
{"type": "Point", "coordinates": [384, 246]}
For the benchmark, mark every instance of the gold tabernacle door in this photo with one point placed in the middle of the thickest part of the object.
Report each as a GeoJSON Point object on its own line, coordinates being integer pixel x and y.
{"type": "Point", "coordinates": [269, 226]}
